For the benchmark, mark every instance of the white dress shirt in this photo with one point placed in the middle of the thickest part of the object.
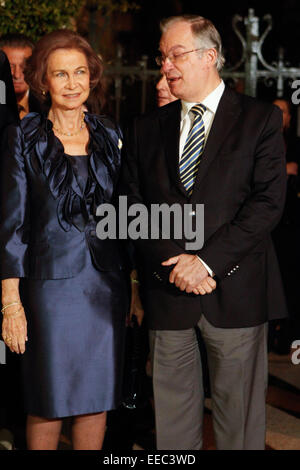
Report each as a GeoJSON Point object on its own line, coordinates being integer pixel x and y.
{"type": "Point", "coordinates": [211, 102]}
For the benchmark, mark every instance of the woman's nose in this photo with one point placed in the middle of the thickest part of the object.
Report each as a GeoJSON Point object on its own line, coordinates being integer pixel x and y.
{"type": "Point", "coordinates": [71, 82]}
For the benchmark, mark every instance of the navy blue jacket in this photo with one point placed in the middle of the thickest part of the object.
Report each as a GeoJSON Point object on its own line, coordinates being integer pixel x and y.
{"type": "Point", "coordinates": [45, 224]}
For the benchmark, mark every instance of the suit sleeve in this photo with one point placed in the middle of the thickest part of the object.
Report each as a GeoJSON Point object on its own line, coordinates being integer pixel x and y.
{"type": "Point", "coordinates": [14, 211]}
{"type": "Point", "coordinates": [261, 210]}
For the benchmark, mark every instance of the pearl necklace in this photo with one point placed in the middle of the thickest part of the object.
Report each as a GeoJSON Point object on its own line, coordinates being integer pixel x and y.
{"type": "Point", "coordinates": [71, 134]}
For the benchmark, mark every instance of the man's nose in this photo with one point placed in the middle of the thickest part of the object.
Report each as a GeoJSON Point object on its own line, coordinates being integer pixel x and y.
{"type": "Point", "coordinates": [159, 85]}
{"type": "Point", "coordinates": [18, 72]}
{"type": "Point", "coordinates": [167, 65]}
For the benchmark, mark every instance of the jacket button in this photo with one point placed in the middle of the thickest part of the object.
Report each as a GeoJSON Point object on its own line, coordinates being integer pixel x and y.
{"type": "Point", "coordinates": [93, 233]}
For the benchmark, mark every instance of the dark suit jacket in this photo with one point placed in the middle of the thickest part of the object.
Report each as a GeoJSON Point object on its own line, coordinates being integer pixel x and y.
{"type": "Point", "coordinates": [45, 224]}
{"type": "Point", "coordinates": [241, 182]}
{"type": "Point", "coordinates": [9, 109]}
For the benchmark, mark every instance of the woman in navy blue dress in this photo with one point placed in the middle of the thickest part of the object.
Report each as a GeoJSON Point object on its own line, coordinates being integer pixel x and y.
{"type": "Point", "coordinates": [65, 291]}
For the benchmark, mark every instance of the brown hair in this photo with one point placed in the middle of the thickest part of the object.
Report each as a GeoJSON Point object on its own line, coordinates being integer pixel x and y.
{"type": "Point", "coordinates": [16, 40]}
{"type": "Point", "coordinates": [36, 66]}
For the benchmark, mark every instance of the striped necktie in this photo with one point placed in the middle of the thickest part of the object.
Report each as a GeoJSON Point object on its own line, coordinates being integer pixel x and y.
{"type": "Point", "coordinates": [193, 149]}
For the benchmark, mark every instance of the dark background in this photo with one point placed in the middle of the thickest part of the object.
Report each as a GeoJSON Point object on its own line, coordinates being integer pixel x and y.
{"type": "Point", "coordinates": [143, 37]}
{"type": "Point", "coordinates": [286, 24]}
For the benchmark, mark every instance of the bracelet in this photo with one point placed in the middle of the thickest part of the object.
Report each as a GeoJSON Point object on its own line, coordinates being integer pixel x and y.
{"type": "Point", "coordinates": [134, 281]}
{"type": "Point", "coordinates": [12, 314]}
{"type": "Point", "coordinates": [9, 305]}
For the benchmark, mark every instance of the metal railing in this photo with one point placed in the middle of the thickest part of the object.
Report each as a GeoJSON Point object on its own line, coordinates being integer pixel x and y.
{"type": "Point", "coordinates": [251, 68]}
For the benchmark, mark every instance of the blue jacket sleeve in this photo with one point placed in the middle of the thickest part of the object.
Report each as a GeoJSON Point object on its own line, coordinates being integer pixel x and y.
{"type": "Point", "coordinates": [14, 210]}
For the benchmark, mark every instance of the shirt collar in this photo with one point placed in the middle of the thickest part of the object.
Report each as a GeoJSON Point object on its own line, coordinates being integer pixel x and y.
{"type": "Point", "coordinates": [211, 101]}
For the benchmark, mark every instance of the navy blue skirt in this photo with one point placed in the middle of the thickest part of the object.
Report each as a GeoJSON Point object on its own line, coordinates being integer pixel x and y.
{"type": "Point", "coordinates": [73, 359]}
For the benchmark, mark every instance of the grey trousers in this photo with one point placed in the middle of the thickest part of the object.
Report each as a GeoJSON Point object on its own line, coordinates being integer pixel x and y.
{"type": "Point", "coordinates": [237, 362]}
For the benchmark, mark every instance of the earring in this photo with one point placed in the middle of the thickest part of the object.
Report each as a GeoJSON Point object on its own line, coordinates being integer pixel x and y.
{"type": "Point", "coordinates": [43, 92]}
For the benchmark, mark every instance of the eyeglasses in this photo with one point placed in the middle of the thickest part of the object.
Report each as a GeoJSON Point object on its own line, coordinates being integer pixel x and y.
{"type": "Point", "coordinates": [160, 60]}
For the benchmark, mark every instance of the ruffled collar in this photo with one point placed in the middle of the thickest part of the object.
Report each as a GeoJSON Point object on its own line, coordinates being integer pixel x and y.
{"type": "Point", "coordinates": [47, 155]}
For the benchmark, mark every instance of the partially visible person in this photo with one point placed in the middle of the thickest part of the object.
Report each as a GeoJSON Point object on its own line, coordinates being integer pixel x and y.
{"type": "Point", "coordinates": [18, 49]}
{"type": "Point", "coordinates": [285, 107]}
{"type": "Point", "coordinates": [8, 371]}
{"type": "Point", "coordinates": [292, 142]}
{"type": "Point", "coordinates": [8, 103]}
{"type": "Point", "coordinates": [163, 93]}
{"type": "Point", "coordinates": [64, 291]}
{"type": "Point", "coordinates": [286, 238]}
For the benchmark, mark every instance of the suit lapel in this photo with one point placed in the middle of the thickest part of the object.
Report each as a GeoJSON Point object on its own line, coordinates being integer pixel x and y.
{"type": "Point", "coordinates": [170, 130]}
{"type": "Point", "coordinates": [226, 116]}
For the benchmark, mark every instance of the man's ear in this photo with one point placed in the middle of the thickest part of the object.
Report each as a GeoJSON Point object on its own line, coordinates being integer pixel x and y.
{"type": "Point", "coordinates": [211, 56]}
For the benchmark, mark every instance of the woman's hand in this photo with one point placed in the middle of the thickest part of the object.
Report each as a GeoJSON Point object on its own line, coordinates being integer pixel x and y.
{"type": "Point", "coordinates": [14, 325]}
{"type": "Point", "coordinates": [14, 330]}
{"type": "Point", "coordinates": [136, 307]}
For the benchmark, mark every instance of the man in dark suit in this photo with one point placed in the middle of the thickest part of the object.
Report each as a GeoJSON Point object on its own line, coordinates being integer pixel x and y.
{"type": "Point", "coordinates": [224, 150]}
